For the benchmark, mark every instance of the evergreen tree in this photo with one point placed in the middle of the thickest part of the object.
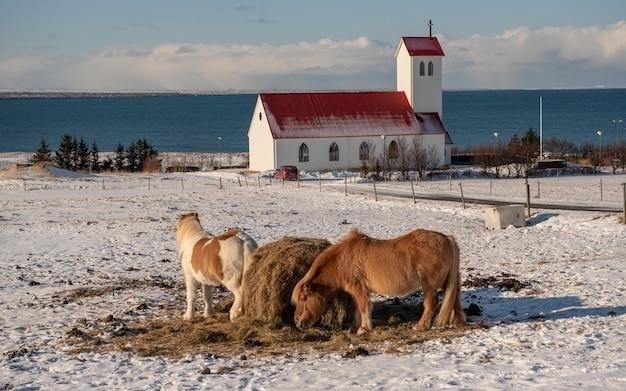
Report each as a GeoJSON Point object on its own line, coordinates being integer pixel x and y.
{"type": "Point", "coordinates": [64, 155]}
{"type": "Point", "coordinates": [132, 157]}
{"type": "Point", "coordinates": [514, 142]}
{"type": "Point", "coordinates": [43, 153]}
{"type": "Point", "coordinates": [119, 157]}
{"type": "Point", "coordinates": [107, 164]}
{"type": "Point", "coordinates": [94, 158]}
{"type": "Point", "coordinates": [82, 155]}
{"type": "Point", "coordinates": [144, 151]}
{"type": "Point", "coordinates": [530, 138]}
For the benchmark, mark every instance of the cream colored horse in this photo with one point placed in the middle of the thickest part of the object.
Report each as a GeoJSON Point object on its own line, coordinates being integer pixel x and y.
{"type": "Point", "coordinates": [212, 261]}
{"type": "Point", "coordinates": [360, 265]}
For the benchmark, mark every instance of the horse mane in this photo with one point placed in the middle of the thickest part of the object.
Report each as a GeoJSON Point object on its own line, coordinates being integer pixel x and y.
{"type": "Point", "coordinates": [354, 234]}
{"type": "Point", "coordinates": [327, 255]}
{"type": "Point", "coordinates": [230, 232]}
{"type": "Point", "coordinates": [187, 215]}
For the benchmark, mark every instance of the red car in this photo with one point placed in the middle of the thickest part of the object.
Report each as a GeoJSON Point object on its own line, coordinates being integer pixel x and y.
{"type": "Point", "coordinates": [286, 173]}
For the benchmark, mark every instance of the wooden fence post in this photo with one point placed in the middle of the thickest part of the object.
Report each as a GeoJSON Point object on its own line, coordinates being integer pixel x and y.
{"type": "Point", "coordinates": [345, 185]}
{"type": "Point", "coordinates": [149, 184]}
{"type": "Point", "coordinates": [220, 179]}
{"type": "Point", "coordinates": [624, 193]}
{"type": "Point", "coordinates": [462, 197]}
{"type": "Point", "coordinates": [528, 197]}
{"type": "Point", "coordinates": [601, 195]}
{"type": "Point", "coordinates": [375, 194]}
{"type": "Point", "coordinates": [413, 190]}
{"type": "Point", "coordinates": [320, 181]}
{"type": "Point", "coordinates": [259, 180]}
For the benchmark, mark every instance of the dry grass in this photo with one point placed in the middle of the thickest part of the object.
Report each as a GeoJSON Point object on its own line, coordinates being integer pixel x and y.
{"type": "Point", "coordinates": [170, 336]}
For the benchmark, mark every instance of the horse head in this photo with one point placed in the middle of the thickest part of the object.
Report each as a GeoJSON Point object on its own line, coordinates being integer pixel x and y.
{"type": "Point", "coordinates": [310, 303]}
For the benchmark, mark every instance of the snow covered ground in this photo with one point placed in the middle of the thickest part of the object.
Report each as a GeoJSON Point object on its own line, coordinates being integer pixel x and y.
{"type": "Point", "coordinates": [565, 330]}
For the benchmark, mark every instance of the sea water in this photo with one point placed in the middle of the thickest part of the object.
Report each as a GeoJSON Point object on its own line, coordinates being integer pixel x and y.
{"type": "Point", "coordinates": [212, 123]}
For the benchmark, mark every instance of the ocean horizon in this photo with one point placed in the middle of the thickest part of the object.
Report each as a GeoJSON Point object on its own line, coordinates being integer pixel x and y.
{"type": "Point", "coordinates": [215, 121]}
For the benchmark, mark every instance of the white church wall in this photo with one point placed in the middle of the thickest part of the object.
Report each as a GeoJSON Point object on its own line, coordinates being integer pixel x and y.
{"type": "Point", "coordinates": [319, 150]}
{"type": "Point", "coordinates": [319, 153]}
{"type": "Point", "coordinates": [404, 79]}
{"type": "Point", "coordinates": [260, 141]}
{"type": "Point", "coordinates": [427, 96]}
{"type": "Point", "coordinates": [437, 143]}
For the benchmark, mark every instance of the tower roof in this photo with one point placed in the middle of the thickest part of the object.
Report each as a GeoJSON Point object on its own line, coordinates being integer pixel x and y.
{"type": "Point", "coordinates": [423, 46]}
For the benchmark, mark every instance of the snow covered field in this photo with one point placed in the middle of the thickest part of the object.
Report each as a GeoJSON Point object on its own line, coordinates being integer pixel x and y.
{"type": "Point", "coordinates": [565, 330]}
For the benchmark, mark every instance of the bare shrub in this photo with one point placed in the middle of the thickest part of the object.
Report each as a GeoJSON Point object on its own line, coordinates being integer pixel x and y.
{"type": "Point", "coordinates": [152, 164]}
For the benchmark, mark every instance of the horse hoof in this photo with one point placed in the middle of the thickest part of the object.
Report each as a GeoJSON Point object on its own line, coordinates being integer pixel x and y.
{"type": "Point", "coordinates": [187, 317]}
{"type": "Point", "coordinates": [362, 331]}
{"type": "Point", "coordinates": [420, 327]}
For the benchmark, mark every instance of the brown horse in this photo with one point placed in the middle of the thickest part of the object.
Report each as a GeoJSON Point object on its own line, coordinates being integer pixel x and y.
{"type": "Point", "coordinates": [212, 261]}
{"type": "Point", "coordinates": [360, 265]}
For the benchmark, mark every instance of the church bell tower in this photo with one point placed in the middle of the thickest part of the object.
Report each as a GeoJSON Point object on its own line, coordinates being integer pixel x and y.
{"type": "Point", "coordinates": [419, 72]}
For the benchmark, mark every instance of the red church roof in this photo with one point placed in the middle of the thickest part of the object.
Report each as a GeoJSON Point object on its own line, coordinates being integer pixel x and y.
{"type": "Point", "coordinates": [423, 46]}
{"type": "Point", "coordinates": [345, 114]}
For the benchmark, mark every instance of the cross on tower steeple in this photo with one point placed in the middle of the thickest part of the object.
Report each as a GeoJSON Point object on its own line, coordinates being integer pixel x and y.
{"type": "Point", "coordinates": [430, 28]}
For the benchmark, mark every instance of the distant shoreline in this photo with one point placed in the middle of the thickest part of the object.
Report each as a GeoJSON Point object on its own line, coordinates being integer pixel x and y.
{"type": "Point", "coordinates": [78, 95]}
{"type": "Point", "coordinates": [138, 94]}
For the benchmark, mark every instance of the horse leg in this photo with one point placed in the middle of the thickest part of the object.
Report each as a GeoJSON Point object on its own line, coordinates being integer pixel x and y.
{"type": "Point", "coordinates": [190, 286]}
{"type": "Point", "coordinates": [236, 309]}
{"type": "Point", "coordinates": [364, 309]}
{"type": "Point", "coordinates": [207, 293]}
{"type": "Point", "coordinates": [430, 303]}
{"type": "Point", "coordinates": [356, 321]}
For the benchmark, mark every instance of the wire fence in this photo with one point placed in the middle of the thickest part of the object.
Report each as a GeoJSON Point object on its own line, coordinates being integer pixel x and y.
{"type": "Point", "coordinates": [605, 189]}
{"type": "Point", "coordinates": [608, 189]}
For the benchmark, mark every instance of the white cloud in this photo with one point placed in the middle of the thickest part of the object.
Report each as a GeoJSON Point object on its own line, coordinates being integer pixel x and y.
{"type": "Point", "coordinates": [549, 57]}
{"type": "Point", "coordinates": [518, 58]}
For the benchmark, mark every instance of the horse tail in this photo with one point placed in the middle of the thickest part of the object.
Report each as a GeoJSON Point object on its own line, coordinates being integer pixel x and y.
{"type": "Point", "coordinates": [451, 311]}
{"type": "Point", "coordinates": [249, 245]}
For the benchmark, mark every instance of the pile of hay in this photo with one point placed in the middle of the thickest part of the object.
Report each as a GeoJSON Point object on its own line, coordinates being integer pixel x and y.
{"type": "Point", "coordinates": [275, 271]}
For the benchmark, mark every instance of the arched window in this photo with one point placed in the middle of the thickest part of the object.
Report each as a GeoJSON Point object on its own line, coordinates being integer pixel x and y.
{"type": "Point", "coordinates": [364, 151]}
{"type": "Point", "coordinates": [430, 68]}
{"type": "Point", "coordinates": [303, 153]}
{"type": "Point", "coordinates": [260, 116]}
{"type": "Point", "coordinates": [392, 152]}
{"type": "Point", "coordinates": [333, 152]}
{"type": "Point", "coordinates": [422, 70]}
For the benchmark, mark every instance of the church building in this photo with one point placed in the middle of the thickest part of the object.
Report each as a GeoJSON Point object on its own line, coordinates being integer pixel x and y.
{"type": "Point", "coordinates": [317, 131]}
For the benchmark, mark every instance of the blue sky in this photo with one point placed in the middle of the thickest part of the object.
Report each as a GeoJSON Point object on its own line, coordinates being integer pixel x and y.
{"type": "Point", "coordinates": [110, 45]}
